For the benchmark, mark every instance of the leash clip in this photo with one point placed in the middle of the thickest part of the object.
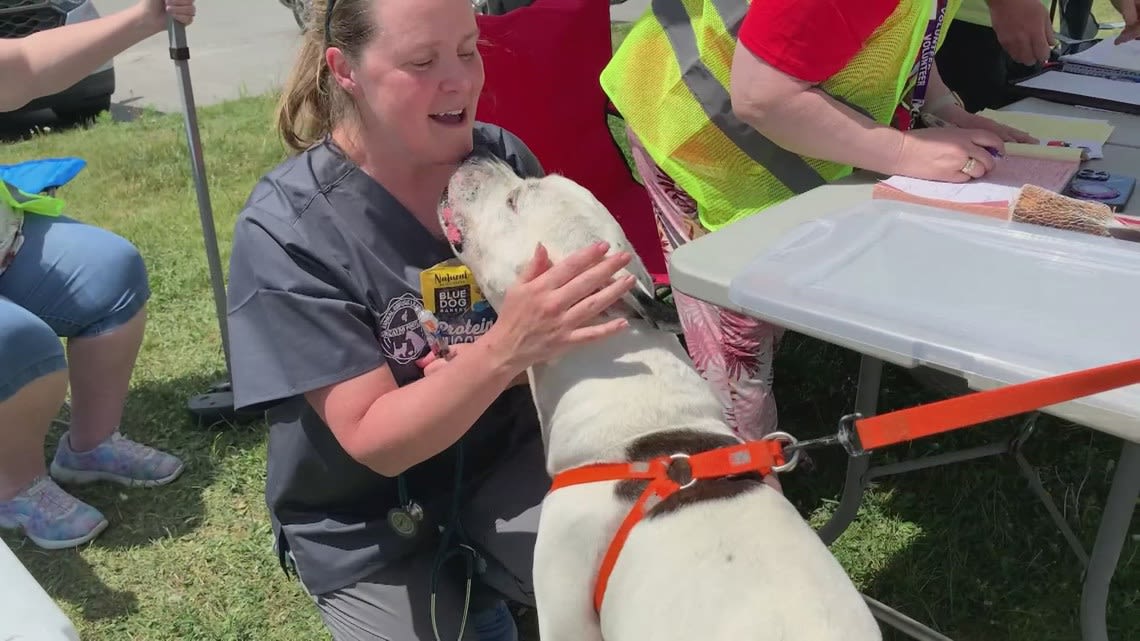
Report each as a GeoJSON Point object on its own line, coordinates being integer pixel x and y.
{"type": "Point", "coordinates": [844, 436]}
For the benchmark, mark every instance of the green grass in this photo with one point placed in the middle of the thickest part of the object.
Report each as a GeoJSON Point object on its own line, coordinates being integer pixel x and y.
{"type": "Point", "coordinates": [965, 548]}
{"type": "Point", "coordinates": [192, 560]}
{"type": "Point", "coordinates": [1104, 11]}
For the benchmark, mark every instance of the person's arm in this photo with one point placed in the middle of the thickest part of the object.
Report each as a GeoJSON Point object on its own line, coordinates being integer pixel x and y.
{"type": "Point", "coordinates": [1023, 28]}
{"type": "Point", "coordinates": [800, 118]}
{"type": "Point", "coordinates": [1130, 11]}
{"type": "Point", "coordinates": [50, 61]}
{"type": "Point", "coordinates": [295, 329]}
{"type": "Point", "coordinates": [784, 52]}
{"type": "Point", "coordinates": [943, 105]}
{"type": "Point", "coordinates": [787, 47]}
{"type": "Point", "coordinates": [431, 364]}
{"type": "Point", "coordinates": [391, 428]}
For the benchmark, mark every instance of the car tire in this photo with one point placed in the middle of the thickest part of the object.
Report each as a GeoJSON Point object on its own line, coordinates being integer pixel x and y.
{"type": "Point", "coordinates": [83, 112]}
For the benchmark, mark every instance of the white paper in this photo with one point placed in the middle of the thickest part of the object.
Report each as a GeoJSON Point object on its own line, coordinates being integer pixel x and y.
{"type": "Point", "coordinates": [1106, 54]}
{"type": "Point", "coordinates": [975, 191]}
{"type": "Point", "coordinates": [1091, 86]}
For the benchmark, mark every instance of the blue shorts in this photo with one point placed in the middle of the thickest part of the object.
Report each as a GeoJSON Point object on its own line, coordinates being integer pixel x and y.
{"type": "Point", "coordinates": [68, 280]}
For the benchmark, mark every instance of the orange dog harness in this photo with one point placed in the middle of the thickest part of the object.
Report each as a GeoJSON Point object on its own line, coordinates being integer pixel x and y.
{"type": "Point", "coordinates": [669, 474]}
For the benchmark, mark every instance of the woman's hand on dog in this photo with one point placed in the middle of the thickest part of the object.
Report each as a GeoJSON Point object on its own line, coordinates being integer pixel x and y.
{"type": "Point", "coordinates": [552, 307]}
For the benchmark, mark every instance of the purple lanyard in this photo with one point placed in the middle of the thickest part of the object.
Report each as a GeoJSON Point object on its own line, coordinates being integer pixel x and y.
{"type": "Point", "coordinates": [926, 56]}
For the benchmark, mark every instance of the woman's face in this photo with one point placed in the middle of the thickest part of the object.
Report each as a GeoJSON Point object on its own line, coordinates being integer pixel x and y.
{"type": "Point", "coordinates": [418, 80]}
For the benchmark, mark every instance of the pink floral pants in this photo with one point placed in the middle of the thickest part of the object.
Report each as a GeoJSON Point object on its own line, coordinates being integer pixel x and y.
{"type": "Point", "coordinates": [731, 351]}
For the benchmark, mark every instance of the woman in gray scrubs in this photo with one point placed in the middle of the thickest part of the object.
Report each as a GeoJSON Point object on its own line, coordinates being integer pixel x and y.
{"type": "Point", "coordinates": [394, 483]}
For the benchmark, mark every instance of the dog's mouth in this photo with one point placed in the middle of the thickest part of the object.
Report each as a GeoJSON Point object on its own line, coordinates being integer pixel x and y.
{"type": "Point", "coordinates": [451, 231]}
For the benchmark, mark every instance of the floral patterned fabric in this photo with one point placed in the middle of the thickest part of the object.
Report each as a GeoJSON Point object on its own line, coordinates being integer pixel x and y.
{"type": "Point", "coordinates": [731, 351]}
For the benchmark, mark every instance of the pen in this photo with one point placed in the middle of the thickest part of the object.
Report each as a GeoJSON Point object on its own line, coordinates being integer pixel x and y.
{"type": "Point", "coordinates": [433, 331]}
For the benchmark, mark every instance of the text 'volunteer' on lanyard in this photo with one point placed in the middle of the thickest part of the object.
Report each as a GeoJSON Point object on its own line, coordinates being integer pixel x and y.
{"type": "Point", "coordinates": [926, 57]}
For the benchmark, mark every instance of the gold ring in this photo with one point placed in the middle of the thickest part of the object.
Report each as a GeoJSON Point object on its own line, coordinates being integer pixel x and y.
{"type": "Point", "coordinates": [969, 166]}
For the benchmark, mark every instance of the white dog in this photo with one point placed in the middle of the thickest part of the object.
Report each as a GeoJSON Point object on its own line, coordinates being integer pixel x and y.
{"type": "Point", "coordinates": [725, 559]}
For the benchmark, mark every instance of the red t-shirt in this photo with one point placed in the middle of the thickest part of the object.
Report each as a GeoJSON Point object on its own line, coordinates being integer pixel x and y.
{"type": "Point", "coordinates": [811, 39]}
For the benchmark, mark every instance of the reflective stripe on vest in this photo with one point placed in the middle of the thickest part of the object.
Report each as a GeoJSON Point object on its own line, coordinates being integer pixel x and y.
{"type": "Point", "coordinates": [683, 117]}
{"type": "Point", "coordinates": [786, 166]}
{"type": "Point", "coordinates": [731, 12]}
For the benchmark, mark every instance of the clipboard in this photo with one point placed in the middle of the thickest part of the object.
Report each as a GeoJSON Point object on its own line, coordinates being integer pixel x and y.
{"type": "Point", "coordinates": [1068, 98]}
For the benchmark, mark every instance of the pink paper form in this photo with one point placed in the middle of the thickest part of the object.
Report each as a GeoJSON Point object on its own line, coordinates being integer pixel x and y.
{"type": "Point", "coordinates": [1001, 184]}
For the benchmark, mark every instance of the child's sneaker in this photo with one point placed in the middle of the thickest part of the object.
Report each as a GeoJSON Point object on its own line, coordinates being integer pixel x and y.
{"type": "Point", "coordinates": [50, 517]}
{"type": "Point", "coordinates": [117, 459]}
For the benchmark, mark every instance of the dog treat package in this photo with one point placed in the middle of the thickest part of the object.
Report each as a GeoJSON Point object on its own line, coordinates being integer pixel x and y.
{"type": "Point", "coordinates": [449, 291]}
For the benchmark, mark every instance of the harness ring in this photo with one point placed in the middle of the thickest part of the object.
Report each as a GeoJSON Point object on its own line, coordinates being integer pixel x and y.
{"type": "Point", "coordinates": [681, 460]}
{"type": "Point", "coordinates": [789, 441]}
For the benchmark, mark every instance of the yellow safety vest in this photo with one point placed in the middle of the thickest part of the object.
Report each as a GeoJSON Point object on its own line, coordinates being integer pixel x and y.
{"type": "Point", "coordinates": [669, 80]}
{"type": "Point", "coordinates": [978, 12]}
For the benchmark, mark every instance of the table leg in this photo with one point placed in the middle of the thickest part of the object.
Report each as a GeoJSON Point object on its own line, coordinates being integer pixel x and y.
{"type": "Point", "coordinates": [867, 404]}
{"type": "Point", "coordinates": [1109, 543]}
{"type": "Point", "coordinates": [901, 622]}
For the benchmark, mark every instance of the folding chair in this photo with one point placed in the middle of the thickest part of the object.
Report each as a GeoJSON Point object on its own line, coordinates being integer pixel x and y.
{"type": "Point", "coordinates": [542, 65]}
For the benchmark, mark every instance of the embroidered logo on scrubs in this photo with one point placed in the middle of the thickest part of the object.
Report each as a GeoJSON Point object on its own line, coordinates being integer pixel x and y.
{"type": "Point", "coordinates": [401, 337]}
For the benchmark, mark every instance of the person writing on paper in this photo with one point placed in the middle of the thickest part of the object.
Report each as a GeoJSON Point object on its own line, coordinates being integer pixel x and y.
{"type": "Point", "coordinates": [814, 88]}
{"type": "Point", "coordinates": [50, 61]}
{"type": "Point", "coordinates": [63, 278]}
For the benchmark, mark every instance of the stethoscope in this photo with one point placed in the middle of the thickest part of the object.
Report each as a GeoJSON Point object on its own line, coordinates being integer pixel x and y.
{"type": "Point", "coordinates": [405, 520]}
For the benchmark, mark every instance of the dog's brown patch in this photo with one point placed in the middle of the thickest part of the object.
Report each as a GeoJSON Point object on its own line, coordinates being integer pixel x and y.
{"type": "Point", "coordinates": [684, 442]}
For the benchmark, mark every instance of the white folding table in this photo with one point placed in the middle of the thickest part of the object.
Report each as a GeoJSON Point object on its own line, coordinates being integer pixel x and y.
{"type": "Point", "coordinates": [705, 268]}
{"type": "Point", "coordinates": [27, 612]}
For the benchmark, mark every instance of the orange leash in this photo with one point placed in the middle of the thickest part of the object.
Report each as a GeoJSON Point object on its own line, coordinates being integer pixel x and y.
{"type": "Point", "coordinates": [668, 474]}
{"type": "Point", "coordinates": [980, 407]}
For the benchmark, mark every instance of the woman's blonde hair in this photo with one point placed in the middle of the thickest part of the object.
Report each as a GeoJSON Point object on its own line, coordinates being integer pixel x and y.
{"type": "Point", "coordinates": [311, 101]}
